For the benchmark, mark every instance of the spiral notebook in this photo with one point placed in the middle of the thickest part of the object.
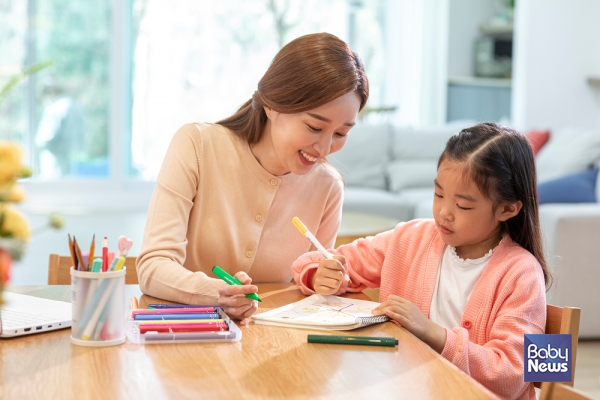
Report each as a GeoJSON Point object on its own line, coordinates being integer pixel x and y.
{"type": "Point", "coordinates": [323, 312]}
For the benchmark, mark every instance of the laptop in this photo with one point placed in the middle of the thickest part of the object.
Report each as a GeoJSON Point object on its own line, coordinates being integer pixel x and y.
{"type": "Point", "coordinates": [24, 315]}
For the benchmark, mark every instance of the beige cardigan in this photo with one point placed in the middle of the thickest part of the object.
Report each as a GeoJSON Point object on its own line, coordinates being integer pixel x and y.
{"type": "Point", "coordinates": [214, 204]}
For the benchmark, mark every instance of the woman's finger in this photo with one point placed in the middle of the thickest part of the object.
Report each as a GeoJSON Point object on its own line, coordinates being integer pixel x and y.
{"type": "Point", "coordinates": [238, 312]}
{"type": "Point", "coordinates": [233, 290]}
{"type": "Point", "coordinates": [243, 277]}
{"type": "Point", "coordinates": [233, 301]}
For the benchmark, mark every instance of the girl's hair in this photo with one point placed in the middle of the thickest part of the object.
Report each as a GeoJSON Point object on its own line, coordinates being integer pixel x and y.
{"type": "Point", "coordinates": [308, 72]}
{"type": "Point", "coordinates": [500, 161]}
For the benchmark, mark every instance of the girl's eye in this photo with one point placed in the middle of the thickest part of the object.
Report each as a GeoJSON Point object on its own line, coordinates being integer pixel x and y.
{"type": "Point", "coordinates": [313, 129]}
{"type": "Point", "coordinates": [438, 195]}
{"type": "Point", "coordinates": [341, 135]}
{"type": "Point", "coordinates": [463, 208]}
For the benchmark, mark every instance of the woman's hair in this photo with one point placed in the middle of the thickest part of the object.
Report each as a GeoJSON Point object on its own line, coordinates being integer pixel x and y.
{"type": "Point", "coordinates": [308, 72]}
{"type": "Point", "coordinates": [500, 161]}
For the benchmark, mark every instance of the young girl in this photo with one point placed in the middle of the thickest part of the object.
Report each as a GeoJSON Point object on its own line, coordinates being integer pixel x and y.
{"type": "Point", "coordinates": [471, 282]}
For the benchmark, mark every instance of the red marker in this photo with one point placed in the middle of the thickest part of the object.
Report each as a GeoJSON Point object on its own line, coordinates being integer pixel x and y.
{"type": "Point", "coordinates": [105, 254]}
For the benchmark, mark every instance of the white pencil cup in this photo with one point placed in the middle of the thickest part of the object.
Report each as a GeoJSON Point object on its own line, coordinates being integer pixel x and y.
{"type": "Point", "coordinates": [98, 301]}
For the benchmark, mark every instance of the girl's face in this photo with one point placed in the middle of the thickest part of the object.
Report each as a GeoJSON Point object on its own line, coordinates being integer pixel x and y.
{"type": "Point", "coordinates": [465, 218]}
{"type": "Point", "coordinates": [296, 142]}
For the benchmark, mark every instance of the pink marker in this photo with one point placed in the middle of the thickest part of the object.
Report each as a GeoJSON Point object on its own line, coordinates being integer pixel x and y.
{"type": "Point", "coordinates": [104, 254]}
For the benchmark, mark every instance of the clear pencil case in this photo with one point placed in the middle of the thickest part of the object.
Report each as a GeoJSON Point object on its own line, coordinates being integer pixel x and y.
{"type": "Point", "coordinates": [232, 334]}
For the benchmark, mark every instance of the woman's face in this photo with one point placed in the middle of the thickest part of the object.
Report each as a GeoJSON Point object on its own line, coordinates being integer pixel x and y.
{"type": "Point", "coordinates": [296, 142]}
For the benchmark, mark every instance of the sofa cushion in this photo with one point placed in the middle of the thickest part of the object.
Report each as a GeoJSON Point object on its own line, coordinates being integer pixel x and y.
{"type": "Point", "coordinates": [568, 151]}
{"type": "Point", "coordinates": [574, 188]}
{"type": "Point", "coordinates": [538, 139]}
{"type": "Point", "coordinates": [413, 144]}
{"type": "Point", "coordinates": [404, 174]}
{"type": "Point", "coordinates": [376, 201]}
{"type": "Point", "coordinates": [362, 159]}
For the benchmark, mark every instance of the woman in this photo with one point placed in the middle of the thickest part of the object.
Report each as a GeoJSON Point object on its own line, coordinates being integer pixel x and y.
{"type": "Point", "coordinates": [227, 192]}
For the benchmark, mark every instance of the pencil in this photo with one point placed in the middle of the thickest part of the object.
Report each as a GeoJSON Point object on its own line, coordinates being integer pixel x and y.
{"type": "Point", "coordinates": [78, 255]}
{"type": "Point", "coordinates": [92, 248]}
{"type": "Point", "coordinates": [72, 251]}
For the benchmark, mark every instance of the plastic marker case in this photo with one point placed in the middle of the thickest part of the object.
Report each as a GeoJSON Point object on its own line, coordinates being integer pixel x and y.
{"type": "Point", "coordinates": [132, 331]}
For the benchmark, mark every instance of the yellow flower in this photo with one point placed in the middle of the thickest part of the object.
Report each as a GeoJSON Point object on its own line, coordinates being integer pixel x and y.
{"type": "Point", "coordinates": [11, 159]}
{"type": "Point", "coordinates": [11, 192]}
{"type": "Point", "coordinates": [14, 224]}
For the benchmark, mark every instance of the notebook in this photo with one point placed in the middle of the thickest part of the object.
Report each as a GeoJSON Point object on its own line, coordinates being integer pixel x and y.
{"type": "Point", "coordinates": [323, 312]}
{"type": "Point", "coordinates": [23, 315]}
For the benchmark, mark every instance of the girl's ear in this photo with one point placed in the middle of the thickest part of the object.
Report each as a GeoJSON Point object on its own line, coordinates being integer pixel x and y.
{"type": "Point", "coordinates": [508, 210]}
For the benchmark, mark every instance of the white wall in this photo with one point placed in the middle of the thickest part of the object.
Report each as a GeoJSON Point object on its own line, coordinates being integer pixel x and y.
{"type": "Point", "coordinates": [557, 46]}
{"type": "Point", "coordinates": [465, 18]}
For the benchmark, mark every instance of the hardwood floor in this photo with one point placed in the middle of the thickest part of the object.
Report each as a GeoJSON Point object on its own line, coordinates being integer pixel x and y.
{"type": "Point", "coordinates": [587, 372]}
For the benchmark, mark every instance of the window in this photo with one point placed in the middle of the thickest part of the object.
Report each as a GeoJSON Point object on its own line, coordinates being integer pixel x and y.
{"type": "Point", "coordinates": [126, 75]}
{"type": "Point", "coordinates": [61, 114]}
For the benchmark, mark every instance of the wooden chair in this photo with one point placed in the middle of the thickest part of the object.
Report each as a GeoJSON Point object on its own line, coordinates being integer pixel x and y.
{"type": "Point", "coordinates": [563, 320]}
{"type": "Point", "coordinates": [58, 270]}
{"type": "Point", "coordinates": [559, 391]}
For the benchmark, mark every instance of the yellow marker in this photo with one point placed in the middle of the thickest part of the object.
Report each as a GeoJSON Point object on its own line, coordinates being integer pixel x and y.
{"type": "Point", "coordinates": [120, 263]}
{"type": "Point", "coordinates": [300, 226]}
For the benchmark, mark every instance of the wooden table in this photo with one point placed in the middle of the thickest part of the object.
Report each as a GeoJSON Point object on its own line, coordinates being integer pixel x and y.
{"type": "Point", "coordinates": [269, 362]}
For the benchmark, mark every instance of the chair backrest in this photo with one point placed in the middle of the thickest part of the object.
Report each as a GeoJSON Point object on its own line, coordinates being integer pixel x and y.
{"type": "Point", "coordinates": [558, 391]}
{"type": "Point", "coordinates": [58, 270]}
{"type": "Point", "coordinates": [564, 320]}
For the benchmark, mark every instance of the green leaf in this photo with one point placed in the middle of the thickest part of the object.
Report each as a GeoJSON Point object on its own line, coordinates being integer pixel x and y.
{"type": "Point", "coordinates": [15, 79]}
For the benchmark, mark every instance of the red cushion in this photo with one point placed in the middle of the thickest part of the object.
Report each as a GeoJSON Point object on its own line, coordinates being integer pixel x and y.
{"type": "Point", "coordinates": [538, 139]}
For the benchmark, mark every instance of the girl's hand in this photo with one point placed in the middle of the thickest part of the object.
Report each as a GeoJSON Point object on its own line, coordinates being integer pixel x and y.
{"type": "Point", "coordinates": [233, 300]}
{"type": "Point", "coordinates": [329, 275]}
{"type": "Point", "coordinates": [410, 317]}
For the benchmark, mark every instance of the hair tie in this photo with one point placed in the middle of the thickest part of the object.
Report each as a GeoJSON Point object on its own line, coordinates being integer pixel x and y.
{"type": "Point", "coordinates": [255, 104]}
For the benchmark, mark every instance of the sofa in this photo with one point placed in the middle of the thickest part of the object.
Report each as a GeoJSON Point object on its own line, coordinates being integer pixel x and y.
{"type": "Point", "coordinates": [389, 171]}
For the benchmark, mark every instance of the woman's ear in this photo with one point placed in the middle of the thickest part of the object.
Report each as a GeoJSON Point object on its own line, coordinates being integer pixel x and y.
{"type": "Point", "coordinates": [508, 210]}
{"type": "Point", "coordinates": [270, 112]}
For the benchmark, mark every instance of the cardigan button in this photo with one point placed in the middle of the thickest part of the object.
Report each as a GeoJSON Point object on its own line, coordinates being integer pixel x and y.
{"type": "Point", "coordinates": [274, 182]}
{"type": "Point", "coordinates": [249, 254]}
{"type": "Point", "coordinates": [259, 217]}
{"type": "Point", "coordinates": [467, 324]}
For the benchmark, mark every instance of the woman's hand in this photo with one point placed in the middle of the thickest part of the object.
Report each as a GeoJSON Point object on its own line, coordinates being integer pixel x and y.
{"type": "Point", "coordinates": [329, 275]}
{"type": "Point", "coordinates": [233, 300]}
{"type": "Point", "coordinates": [410, 317]}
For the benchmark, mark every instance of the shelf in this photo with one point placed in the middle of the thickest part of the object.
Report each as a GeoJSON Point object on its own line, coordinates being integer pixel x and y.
{"type": "Point", "coordinates": [496, 29]}
{"type": "Point", "coordinates": [479, 81]}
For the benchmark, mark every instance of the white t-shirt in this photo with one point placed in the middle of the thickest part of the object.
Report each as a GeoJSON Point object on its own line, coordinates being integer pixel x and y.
{"type": "Point", "coordinates": [454, 284]}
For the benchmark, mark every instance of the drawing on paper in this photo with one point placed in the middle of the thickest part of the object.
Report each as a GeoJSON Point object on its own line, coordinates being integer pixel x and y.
{"type": "Point", "coordinates": [330, 309]}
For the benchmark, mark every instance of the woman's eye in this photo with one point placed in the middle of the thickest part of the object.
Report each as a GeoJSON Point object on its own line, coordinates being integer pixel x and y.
{"type": "Point", "coordinates": [341, 135]}
{"type": "Point", "coordinates": [438, 195]}
{"type": "Point", "coordinates": [313, 129]}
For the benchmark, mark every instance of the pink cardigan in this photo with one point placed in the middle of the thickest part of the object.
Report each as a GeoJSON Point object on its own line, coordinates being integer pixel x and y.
{"type": "Point", "coordinates": [508, 301]}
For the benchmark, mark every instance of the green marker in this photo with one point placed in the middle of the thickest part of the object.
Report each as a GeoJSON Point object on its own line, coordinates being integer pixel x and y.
{"type": "Point", "coordinates": [221, 273]}
{"type": "Point", "coordinates": [361, 340]}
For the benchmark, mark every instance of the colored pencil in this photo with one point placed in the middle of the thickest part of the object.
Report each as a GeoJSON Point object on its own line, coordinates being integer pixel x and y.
{"type": "Point", "coordinates": [82, 266]}
{"type": "Point", "coordinates": [72, 251]}
{"type": "Point", "coordinates": [92, 249]}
